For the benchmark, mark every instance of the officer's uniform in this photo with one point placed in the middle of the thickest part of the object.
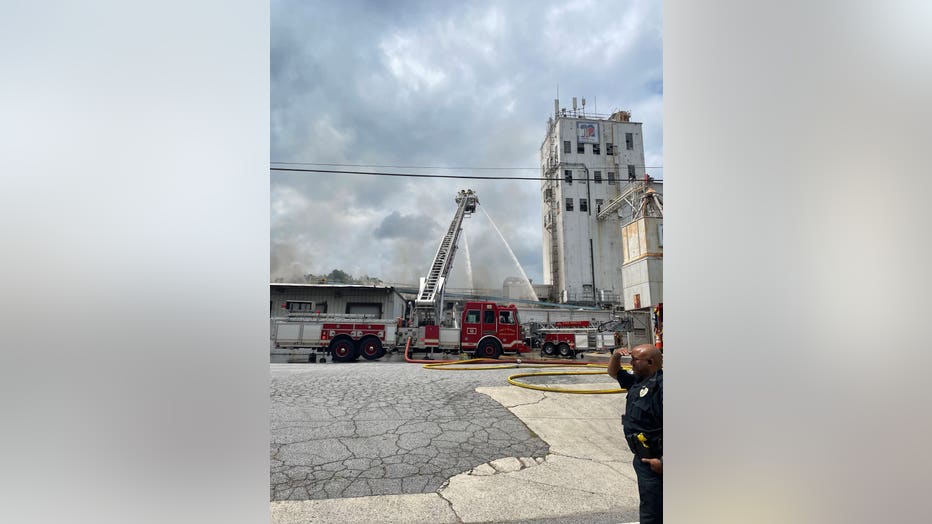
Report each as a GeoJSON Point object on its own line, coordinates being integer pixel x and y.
{"type": "Point", "coordinates": [643, 427]}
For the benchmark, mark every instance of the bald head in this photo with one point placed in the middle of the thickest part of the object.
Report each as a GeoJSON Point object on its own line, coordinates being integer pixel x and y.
{"type": "Point", "coordinates": [646, 360]}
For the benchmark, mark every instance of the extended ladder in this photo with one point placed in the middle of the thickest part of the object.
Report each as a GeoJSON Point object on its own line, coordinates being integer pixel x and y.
{"type": "Point", "coordinates": [430, 292]}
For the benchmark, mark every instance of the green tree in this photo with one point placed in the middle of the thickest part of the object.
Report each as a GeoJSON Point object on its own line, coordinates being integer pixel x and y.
{"type": "Point", "coordinates": [338, 275]}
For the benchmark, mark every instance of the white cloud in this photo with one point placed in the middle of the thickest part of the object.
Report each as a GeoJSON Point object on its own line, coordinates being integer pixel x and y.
{"type": "Point", "coordinates": [408, 63]}
{"type": "Point", "coordinates": [437, 84]}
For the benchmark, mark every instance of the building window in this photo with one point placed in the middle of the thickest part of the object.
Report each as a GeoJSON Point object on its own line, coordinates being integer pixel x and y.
{"type": "Point", "coordinates": [631, 175]}
{"type": "Point", "coordinates": [569, 204]}
{"type": "Point", "coordinates": [629, 141]}
{"type": "Point", "coordinates": [596, 150]}
{"type": "Point", "coordinates": [568, 176]}
{"type": "Point", "coordinates": [580, 147]}
{"type": "Point", "coordinates": [598, 177]}
{"type": "Point", "coordinates": [609, 148]}
{"type": "Point", "coordinates": [598, 205]}
{"type": "Point", "coordinates": [611, 177]}
{"type": "Point", "coordinates": [297, 306]}
{"type": "Point", "coordinates": [583, 204]}
{"type": "Point", "coordinates": [567, 148]}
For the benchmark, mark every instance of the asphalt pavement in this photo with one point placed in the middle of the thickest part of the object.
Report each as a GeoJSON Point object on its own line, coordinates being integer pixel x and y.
{"type": "Point", "coordinates": [394, 442]}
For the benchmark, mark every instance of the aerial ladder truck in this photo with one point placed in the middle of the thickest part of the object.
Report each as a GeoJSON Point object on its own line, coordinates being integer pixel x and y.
{"type": "Point", "coordinates": [484, 328]}
{"type": "Point", "coordinates": [427, 306]}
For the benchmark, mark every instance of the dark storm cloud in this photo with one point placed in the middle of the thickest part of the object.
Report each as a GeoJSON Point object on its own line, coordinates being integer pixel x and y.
{"type": "Point", "coordinates": [437, 84]}
{"type": "Point", "coordinates": [396, 225]}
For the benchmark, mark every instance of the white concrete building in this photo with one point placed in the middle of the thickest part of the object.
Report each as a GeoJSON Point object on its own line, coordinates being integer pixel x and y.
{"type": "Point", "coordinates": [586, 161]}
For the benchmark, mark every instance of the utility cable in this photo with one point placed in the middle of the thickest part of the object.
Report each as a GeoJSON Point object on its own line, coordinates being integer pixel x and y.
{"type": "Point", "coordinates": [477, 168]}
{"type": "Point", "coordinates": [416, 175]}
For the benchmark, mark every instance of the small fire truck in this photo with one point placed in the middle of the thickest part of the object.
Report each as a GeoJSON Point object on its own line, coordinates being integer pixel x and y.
{"type": "Point", "coordinates": [570, 338]}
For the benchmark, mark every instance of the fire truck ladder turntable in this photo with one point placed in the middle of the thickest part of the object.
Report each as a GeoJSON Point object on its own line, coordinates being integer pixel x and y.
{"type": "Point", "coordinates": [427, 306]}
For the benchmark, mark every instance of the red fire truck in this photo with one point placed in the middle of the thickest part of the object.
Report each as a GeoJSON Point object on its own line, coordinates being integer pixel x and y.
{"type": "Point", "coordinates": [486, 329]}
{"type": "Point", "coordinates": [568, 339]}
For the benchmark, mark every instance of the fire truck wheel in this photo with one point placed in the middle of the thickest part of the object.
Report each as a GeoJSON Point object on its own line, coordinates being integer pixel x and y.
{"type": "Point", "coordinates": [549, 349]}
{"type": "Point", "coordinates": [343, 350]}
{"type": "Point", "coordinates": [564, 349]}
{"type": "Point", "coordinates": [488, 349]}
{"type": "Point", "coordinates": [371, 348]}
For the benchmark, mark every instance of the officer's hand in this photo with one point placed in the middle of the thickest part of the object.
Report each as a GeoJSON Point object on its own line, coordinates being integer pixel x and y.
{"type": "Point", "coordinates": [655, 465]}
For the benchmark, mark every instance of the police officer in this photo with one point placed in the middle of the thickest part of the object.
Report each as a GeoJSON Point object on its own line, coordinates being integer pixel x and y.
{"type": "Point", "coordinates": [643, 424]}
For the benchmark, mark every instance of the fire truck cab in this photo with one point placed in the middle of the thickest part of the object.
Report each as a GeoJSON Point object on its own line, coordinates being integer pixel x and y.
{"type": "Point", "coordinates": [489, 329]}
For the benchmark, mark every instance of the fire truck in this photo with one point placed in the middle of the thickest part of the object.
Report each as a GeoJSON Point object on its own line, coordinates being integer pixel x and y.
{"type": "Point", "coordinates": [570, 338]}
{"type": "Point", "coordinates": [484, 328]}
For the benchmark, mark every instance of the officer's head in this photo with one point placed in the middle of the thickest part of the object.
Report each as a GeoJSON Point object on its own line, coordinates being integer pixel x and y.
{"type": "Point", "coordinates": [645, 360]}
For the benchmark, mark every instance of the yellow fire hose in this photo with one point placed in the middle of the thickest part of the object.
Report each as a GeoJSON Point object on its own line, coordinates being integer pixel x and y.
{"type": "Point", "coordinates": [555, 389]}
{"type": "Point", "coordinates": [459, 366]}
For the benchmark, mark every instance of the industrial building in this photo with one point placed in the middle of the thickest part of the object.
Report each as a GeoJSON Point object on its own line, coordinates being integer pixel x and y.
{"type": "Point", "coordinates": [602, 244]}
{"type": "Point", "coordinates": [594, 175]}
{"type": "Point", "coordinates": [352, 299]}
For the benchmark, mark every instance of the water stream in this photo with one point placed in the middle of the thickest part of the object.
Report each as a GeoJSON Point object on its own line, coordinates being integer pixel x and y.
{"type": "Point", "coordinates": [468, 260]}
{"type": "Point", "coordinates": [527, 283]}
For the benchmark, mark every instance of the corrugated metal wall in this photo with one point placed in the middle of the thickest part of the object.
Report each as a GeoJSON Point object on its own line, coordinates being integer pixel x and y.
{"type": "Point", "coordinates": [337, 299]}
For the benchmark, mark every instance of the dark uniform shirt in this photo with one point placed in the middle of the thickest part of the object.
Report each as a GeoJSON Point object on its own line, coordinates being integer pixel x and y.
{"type": "Point", "coordinates": [643, 418]}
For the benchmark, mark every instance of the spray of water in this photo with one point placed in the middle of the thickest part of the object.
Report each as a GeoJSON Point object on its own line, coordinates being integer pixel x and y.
{"type": "Point", "coordinates": [527, 282]}
{"type": "Point", "coordinates": [468, 260]}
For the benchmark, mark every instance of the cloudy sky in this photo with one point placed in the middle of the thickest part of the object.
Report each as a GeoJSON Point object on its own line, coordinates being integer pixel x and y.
{"type": "Point", "coordinates": [438, 88]}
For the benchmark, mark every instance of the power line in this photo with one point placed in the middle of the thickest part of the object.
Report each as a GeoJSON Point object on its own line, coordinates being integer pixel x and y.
{"type": "Point", "coordinates": [421, 175]}
{"type": "Point", "coordinates": [477, 168]}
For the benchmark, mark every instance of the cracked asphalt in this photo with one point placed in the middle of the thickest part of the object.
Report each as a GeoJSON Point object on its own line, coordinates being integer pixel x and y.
{"type": "Point", "coordinates": [382, 428]}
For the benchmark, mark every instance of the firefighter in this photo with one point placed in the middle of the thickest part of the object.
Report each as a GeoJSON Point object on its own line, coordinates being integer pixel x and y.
{"type": "Point", "coordinates": [642, 423]}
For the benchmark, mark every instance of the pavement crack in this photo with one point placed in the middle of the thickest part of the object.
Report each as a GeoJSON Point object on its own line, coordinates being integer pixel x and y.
{"type": "Point", "coordinates": [538, 401]}
{"type": "Point", "coordinates": [459, 520]}
{"type": "Point", "coordinates": [563, 487]}
{"type": "Point", "coordinates": [599, 462]}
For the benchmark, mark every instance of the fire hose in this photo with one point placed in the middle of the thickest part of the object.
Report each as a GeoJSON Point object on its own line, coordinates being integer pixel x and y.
{"type": "Point", "coordinates": [487, 363]}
